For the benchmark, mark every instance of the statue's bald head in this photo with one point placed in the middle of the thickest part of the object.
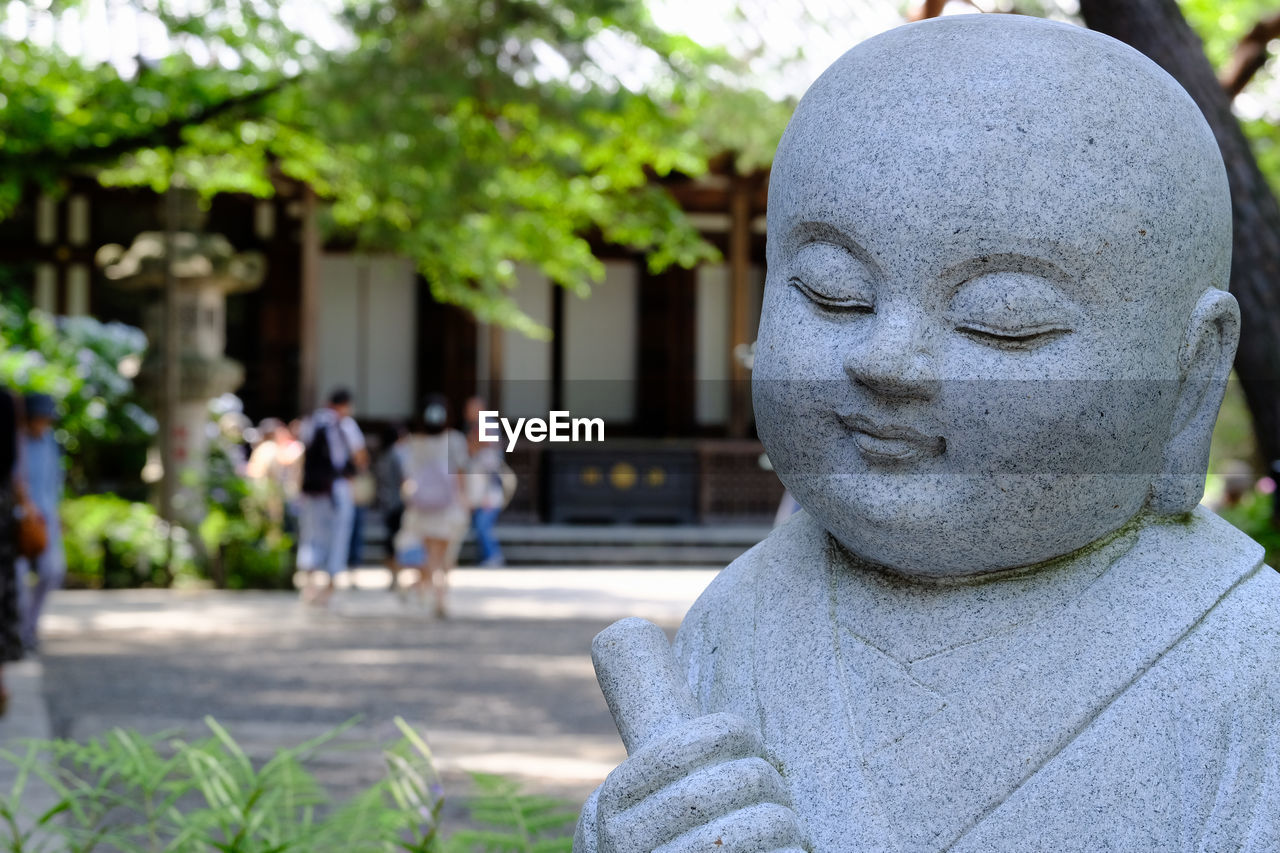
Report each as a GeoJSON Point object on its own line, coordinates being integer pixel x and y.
{"type": "Point", "coordinates": [961, 120]}
{"type": "Point", "coordinates": [998, 248]}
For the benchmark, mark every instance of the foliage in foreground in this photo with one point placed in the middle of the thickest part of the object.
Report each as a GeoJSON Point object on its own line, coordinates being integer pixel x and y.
{"type": "Point", "coordinates": [135, 794]}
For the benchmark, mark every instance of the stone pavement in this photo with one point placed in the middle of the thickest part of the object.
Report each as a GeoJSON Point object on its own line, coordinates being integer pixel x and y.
{"type": "Point", "coordinates": [505, 685]}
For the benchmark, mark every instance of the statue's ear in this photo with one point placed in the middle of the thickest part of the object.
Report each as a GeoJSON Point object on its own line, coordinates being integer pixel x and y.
{"type": "Point", "coordinates": [1204, 363]}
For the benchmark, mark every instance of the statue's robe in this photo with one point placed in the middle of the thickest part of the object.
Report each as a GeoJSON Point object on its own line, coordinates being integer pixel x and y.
{"type": "Point", "coordinates": [1126, 698]}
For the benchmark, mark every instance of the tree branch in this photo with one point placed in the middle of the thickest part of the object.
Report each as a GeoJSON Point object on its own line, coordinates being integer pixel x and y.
{"type": "Point", "coordinates": [933, 9]}
{"type": "Point", "coordinates": [1249, 56]}
{"type": "Point", "coordinates": [168, 134]}
{"type": "Point", "coordinates": [1158, 29]}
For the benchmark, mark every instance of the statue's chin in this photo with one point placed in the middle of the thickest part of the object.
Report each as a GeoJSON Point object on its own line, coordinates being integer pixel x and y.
{"type": "Point", "coordinates": [936, 564]}
{"type": "Point", "coordinates": [943, 526]}
{"type": "Point", "coordinates": [942, 552]}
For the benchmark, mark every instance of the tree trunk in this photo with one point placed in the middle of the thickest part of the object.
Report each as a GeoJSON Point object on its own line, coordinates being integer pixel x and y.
{"type": "Point", "coordinates": [1157, 28]}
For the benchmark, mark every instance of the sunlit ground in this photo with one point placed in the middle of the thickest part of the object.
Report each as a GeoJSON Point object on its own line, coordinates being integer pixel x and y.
{"type": "Point", "coordinates": [505, 685]}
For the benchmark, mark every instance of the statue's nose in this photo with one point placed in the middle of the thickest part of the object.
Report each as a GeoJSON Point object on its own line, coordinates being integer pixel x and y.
{"type": "Point", "coordinates": [893, 360]}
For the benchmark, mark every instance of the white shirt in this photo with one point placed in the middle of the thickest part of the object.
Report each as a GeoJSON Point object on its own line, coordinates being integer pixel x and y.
{"type": "Point", "coordinates": [343, 442]}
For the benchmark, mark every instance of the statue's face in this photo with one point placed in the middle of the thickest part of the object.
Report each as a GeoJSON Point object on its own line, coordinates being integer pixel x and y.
{"type": "Point", "coordinates": [968, 353]}
{"type": "Point", "coordinates": [961, 412]}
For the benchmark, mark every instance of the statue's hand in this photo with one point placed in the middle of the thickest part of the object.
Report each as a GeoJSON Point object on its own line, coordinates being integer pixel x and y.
{"type": "Point", "coordinates": [701, 786]}
{"type": "Point", "coordinates": [692, 782]}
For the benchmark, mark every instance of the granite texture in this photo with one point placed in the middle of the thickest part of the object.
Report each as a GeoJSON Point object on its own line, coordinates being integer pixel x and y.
{"type": "Point", "coordinates": [994, 340]}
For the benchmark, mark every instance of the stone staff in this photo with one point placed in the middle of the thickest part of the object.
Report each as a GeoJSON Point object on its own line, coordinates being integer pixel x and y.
{"type": "Point", "coordinates": [638, 674]}
{"type": "Point", "coordinates": [693, 781]}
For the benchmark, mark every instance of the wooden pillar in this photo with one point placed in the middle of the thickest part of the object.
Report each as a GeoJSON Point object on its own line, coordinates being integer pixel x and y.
{"type": "Point", "coordinates": [364, 275]}
{"type": "Point", "coordinates": [171, 376]}
{"type": "Point", "coordinates": [739, 304]}
{"type": "Point", "coordinates": [666, 392]}
{"type": "Point", "coordinates": [308, 394]}
{"type": "Point", "coordinates": [448, 344]}
{"type": "Point", "coordinates": [557, 346]}
{"type": "Point", "coordinates": [496, 335]}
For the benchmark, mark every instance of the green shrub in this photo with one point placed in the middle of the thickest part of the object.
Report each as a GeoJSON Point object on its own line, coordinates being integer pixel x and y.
{"type": "Point", "coordinates": [135, 794]}
{"type": "Point", "coordinates": [1253, 516]}
{"type": "Point", "coordinates": [246, 548]}
{"type": "Point", "coordinates": [116, 543]}
{"type": "Point", "coordinates": [86, 365]}
{"type": "Point", "coordinates": [246, 552]}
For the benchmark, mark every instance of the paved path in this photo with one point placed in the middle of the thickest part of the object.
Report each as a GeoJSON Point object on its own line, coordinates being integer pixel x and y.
{"type": "Point", "coordinates": [504, 686]}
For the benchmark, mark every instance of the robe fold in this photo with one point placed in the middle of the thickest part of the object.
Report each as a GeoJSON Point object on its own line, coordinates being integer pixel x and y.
{"type": "Point", "coordinates": [1127, 699]}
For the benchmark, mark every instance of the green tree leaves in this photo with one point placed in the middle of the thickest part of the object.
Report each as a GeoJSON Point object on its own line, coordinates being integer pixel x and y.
{"type": "Point", "coordinates": [469, 136]}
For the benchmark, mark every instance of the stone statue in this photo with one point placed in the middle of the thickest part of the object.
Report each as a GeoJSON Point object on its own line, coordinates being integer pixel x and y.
{"type": "Point", "coordinates": [994, 340]}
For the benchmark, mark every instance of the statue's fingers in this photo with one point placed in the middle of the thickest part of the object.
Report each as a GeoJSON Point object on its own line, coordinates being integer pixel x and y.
{"type": "Point", "coordinates": [700, 742]}
{"type": "Point", "coordinates": [758, 829]}
{"type": "Point", "coordinates": [641, 680]}
{"type": "Point", "coordinates": [697, 799]}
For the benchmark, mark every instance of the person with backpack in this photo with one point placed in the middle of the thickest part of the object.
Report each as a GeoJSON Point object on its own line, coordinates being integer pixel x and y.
{"type": "Point", "coordinates": [335, 452]}
{"type": "Point", "coordinates": [435, 512]}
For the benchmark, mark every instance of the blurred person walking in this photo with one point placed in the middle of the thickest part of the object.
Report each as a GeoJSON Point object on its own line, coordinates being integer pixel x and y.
{"type": "Point", "coordinates": [388, 471]}
{"type": "Point", "coordinates": [435, 514]}
{"type": "Point", "coordinates": [335, 452]}
{"type": "Point", "coordinates": [490, 484]}
{"type": "Point", "coordinates": [12, 495]}
{"type": "Point", "coordinates": [235, 433]}
{"type": "Point", "coordinates": [364, 494]}
{"type": "Point", "coordinates": [276, 464]}
{"type": "Point", "coordinates": [42, 474]}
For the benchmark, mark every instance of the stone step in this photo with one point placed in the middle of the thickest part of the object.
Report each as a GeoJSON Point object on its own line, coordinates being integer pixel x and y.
{"type": "Point", "coordinates": [520, 554]}
{"type": "Point", "coordinates": [567, 544]}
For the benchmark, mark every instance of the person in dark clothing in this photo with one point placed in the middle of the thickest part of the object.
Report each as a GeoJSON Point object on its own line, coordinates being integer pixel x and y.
{"type": "Point", "coordinates": [12, 493]}
{"type": "Point", "coordinates": [40, 574]}
{"type": "Point", "coordinates": [388, 471]}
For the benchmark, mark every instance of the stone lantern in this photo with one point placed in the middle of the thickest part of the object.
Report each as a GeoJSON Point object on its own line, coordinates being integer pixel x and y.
{"type": "Point", "coordinates": [206, 268]}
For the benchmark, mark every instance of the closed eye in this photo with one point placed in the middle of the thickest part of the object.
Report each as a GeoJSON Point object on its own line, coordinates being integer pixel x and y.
{"type": "Point", "coordinates": [1026, 337]}
{"type": "Point", "coordinates": [1012, 310]}
{"type": "Point", "coordinates": [851, 303]}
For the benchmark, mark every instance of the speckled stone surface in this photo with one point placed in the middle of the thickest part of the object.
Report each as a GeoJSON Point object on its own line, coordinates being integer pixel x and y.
{"type": "Point", "coordinates": [993, 345]}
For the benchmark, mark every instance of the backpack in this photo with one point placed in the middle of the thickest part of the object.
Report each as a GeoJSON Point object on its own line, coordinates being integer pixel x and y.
{"type": "Point", "coordinates": [434, 486]}
{"type": "Point", "coordinates": [318, 473]}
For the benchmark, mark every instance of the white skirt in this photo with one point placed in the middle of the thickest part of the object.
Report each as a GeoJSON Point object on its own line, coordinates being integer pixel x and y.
{"type": "Point", "coordinates": [418, 524]}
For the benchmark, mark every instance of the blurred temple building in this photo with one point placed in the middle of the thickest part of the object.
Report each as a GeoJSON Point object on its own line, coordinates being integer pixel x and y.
{"type": "Point", "coordinates": [662, 358]}
{"type": "Point", "coordinates": [659, 357]}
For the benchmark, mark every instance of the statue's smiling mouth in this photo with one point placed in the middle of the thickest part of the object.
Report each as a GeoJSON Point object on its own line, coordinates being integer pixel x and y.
{"type": "Point", "coordinates": [880, 442]}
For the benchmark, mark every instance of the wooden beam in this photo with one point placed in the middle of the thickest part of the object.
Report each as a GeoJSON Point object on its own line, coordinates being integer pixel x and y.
{"type": "Point", "coordinates": [56, 254]}
{"type": "Point", "coordinates": [695, 197]}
